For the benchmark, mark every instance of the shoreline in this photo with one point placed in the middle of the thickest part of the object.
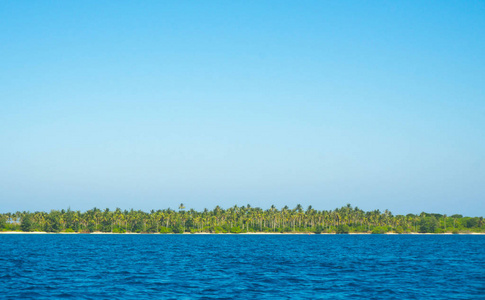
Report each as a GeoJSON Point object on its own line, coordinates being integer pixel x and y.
{"type": "Point", "coordinates": [242, 233]}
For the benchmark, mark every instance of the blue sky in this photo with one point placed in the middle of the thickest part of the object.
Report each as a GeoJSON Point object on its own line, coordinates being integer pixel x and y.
{"type": "Point", "coordinates": [148, 104]}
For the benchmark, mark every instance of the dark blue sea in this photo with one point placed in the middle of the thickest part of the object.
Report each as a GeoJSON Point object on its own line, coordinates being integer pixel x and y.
{"type": "Point", "coordinates": [242, 266]}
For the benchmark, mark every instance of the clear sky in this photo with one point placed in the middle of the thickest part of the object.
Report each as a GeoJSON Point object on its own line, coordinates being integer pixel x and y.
{"type": "Point", "coordinates": [147, 104]}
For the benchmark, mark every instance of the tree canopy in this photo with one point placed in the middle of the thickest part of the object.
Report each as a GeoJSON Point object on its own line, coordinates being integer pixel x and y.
{"type": "Point", "coordinates": [238, 219]}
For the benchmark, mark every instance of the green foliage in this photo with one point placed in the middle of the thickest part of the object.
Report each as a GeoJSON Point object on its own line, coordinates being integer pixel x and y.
{"type": "Point", "coordinates": [379, 230]}
{"type": "Point", "coordinates": [219, 229]}
{"type": "Point", "coordinates": [428, 225]}
{"type": "Point", "coordinates": [119, 230]}
{"type": "Point", "coordinates": [165, 230]}
{"type": "Point", "coordinates": [26, 224]}
{"type": "Point", "coordinates": [318, 229]}
{"type": "Point", "coordinates": [178, 229]}
{"type": "Point", "coordinates": [236, 230]}
{"type": "Point", "coordinates": [238, 220]}
{"type": "Point", "coordinates": [439, 230]}
{"type": "Point", "coordinates": [471, 222]}
{"type": "Point", "coordinates": [3, 222]}
{"type": "Point", "coordinates": [341, 229]}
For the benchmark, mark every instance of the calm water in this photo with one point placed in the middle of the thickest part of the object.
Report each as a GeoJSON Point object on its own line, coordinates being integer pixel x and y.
{"type": "Point", "coordinates": [242, 266]}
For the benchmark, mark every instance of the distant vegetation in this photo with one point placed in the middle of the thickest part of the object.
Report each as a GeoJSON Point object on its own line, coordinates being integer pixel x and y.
{"type": "Point", "coordinates": [237, 219]}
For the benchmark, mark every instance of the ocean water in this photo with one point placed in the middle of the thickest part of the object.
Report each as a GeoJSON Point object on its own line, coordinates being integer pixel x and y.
{"type": "Point", "coordinates": [242, 266]}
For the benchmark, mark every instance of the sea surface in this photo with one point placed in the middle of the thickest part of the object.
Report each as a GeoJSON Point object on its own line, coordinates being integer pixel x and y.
{"type": "Point", "coordinates": [242, 266]}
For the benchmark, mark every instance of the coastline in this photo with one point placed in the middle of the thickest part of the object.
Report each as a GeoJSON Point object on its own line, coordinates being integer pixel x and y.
{"type": "Point", "coordinates": [242, 233]}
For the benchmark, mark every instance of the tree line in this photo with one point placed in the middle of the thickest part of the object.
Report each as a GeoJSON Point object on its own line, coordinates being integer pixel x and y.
{"type": "Point", "coordinates": [238, 219]}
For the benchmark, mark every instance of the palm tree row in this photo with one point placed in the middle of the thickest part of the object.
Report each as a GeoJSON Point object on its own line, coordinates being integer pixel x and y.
{"type": "Point", "coordinates": [238, 219]}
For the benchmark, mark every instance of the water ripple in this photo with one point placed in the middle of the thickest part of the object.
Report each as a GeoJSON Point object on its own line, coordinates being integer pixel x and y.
{"type": "Point", "coordinates": [243, 267]}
